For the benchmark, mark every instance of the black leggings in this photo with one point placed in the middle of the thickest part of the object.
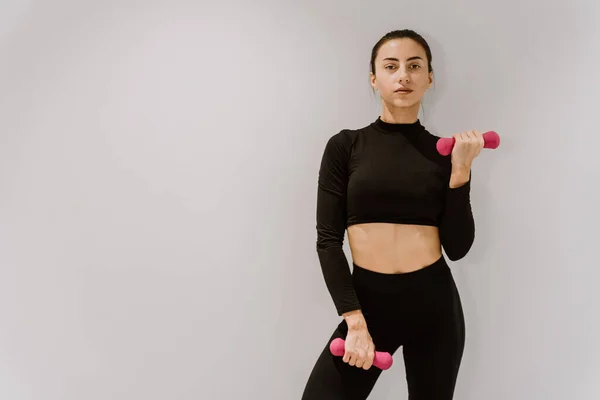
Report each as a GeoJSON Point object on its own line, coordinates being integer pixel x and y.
{"type": "Point", "coordinates": [420, 311]}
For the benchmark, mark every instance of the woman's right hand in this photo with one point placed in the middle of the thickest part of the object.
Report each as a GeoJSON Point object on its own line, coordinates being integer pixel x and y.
{"type": "Point", "coordinates": [359, 346]}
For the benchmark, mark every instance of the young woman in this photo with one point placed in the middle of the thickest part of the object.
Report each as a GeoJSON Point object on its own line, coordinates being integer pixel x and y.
{"type": "Point", "coordinates": [401, 202]}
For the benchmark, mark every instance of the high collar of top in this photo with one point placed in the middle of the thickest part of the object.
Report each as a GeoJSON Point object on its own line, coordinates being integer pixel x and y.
{"type": "Point", "coordinates": [407, 128]}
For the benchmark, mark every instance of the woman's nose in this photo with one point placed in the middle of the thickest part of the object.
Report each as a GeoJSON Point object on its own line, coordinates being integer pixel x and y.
{"type": "Point", "coordinates": [402, 75]}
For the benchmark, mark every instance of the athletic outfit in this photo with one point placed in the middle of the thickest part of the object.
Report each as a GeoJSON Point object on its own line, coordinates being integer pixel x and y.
{"type": "Point", "coordinates": [392, 173]}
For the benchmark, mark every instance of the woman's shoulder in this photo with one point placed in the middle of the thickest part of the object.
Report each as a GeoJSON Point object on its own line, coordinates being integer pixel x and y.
{"type": "Point", "coordinates": [346, 134]}
{"type": "Point", "coordinates": [429, 135]}
{"type": "Point", "coordinates": [427, 143]}
{"type": "Point", "coordinates": [343, 140]}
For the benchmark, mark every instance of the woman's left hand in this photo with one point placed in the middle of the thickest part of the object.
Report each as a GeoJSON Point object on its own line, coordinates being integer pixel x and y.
{"type": "Point", "coordinates": [467, 146]}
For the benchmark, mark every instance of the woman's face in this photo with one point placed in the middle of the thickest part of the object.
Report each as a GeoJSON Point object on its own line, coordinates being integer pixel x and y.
{"type": "Point", "coordinates": [401, 64]}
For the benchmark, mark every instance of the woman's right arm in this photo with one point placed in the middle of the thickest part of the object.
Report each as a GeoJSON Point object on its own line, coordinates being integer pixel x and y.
{"type": "Point", "coordinates": [331, 223]}
{"type": "Point", "coordinates": [331, 228]}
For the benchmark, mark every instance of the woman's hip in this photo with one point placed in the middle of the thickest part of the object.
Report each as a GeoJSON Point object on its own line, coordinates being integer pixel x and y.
{"type": "Point", "coordinates": [394, 297]}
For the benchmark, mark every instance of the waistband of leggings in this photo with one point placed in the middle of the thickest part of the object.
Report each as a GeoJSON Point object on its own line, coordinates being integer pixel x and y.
{"type": "Point", "coordinates": [399, 281]}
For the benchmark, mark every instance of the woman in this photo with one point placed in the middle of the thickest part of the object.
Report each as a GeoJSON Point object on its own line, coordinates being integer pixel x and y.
{"type": "Point", "coordinates": [401, 203]}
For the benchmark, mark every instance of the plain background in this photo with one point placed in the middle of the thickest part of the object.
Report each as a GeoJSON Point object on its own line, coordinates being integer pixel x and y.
{"type": "Point", "coordinates": [158, 165]}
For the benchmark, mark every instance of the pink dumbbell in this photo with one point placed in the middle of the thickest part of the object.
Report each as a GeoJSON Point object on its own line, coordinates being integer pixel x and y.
{"type": "Point", "coordinates": [491, 141]}
{"type": "Point", "coordinates": [382, 360]}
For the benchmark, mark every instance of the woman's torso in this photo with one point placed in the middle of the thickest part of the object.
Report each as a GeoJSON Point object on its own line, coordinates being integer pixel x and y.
{"type": "Point", "coordinates": [397, 182]}
{"type": "Point", "coordinates": [394, 248]}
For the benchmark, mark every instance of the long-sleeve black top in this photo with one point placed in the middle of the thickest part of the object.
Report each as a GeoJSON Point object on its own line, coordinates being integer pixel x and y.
{"type": "Point", "coordinates": [385, 172]}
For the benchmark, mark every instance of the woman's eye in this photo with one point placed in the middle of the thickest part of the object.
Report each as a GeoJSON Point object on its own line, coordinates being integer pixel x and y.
{"type": "Point", "coordinates": [415, 66]}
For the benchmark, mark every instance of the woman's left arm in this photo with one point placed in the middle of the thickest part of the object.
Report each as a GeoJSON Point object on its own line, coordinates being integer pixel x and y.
{"type": "Point", "coordinates": [457, 226]}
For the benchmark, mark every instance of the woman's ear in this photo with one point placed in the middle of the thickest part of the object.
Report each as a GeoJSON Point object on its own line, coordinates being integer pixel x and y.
{"type": "Point", "coordinates": [373, 80]}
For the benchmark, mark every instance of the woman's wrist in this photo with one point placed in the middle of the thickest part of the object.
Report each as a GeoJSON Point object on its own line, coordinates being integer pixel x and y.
{"type": "Point", "coordinates": [355, 320]}
{"type": "Point", "coordinates": [460, 175]}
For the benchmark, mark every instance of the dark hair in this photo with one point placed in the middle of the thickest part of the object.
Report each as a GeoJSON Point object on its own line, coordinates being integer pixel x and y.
{"type": "Point", "coordinates": [401, 34]}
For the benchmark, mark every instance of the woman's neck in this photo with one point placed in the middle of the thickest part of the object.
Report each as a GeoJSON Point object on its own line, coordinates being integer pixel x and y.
{"type": "Point", "coordinates": [400, 115]}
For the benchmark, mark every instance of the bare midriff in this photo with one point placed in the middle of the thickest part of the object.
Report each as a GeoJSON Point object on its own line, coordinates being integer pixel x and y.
{"type": "Point", "coordinates": [394, 248]}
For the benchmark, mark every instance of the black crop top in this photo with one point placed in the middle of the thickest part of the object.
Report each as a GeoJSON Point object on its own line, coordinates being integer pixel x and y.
{"type": "Point", "coordinates": [385, 172]}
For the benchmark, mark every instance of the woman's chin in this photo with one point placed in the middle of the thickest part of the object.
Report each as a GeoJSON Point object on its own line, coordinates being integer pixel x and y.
{"type": "Point", "coordinates": [404, 103]}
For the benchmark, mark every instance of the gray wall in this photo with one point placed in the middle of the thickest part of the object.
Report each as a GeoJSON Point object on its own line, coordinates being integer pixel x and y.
{"type": "Point", "coordinates": [158, 167]}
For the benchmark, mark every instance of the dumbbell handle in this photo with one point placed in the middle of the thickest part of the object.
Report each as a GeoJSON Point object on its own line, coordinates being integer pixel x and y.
{"type": "Point", "coordinates": [382, 360]}
{"type": "Point", "coordinates": [491, 141]}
